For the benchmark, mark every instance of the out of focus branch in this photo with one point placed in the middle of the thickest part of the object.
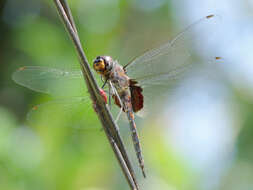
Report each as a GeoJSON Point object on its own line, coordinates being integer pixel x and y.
{"type": "Point", "coordinates": [103, 112]}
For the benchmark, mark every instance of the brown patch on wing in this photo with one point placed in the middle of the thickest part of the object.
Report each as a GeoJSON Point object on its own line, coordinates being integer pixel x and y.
{"type": "Point", "coordinates": [136, 96]}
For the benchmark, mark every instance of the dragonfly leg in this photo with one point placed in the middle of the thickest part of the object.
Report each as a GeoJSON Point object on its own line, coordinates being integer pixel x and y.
{"type": "Point", "coordinates": [114, 91]}
{"type": "Point", "coordinates": [110, 94]}
{"type": "Point", "coordinates": [104, 82]}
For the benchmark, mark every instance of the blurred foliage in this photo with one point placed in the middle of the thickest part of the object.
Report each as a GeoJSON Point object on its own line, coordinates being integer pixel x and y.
{"type": "Point", "coordinates": [69, 151]}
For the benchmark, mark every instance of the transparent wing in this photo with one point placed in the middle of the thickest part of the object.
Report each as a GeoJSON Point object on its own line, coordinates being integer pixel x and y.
{"type": "Point", "coordinates": [162, 65]}
{"type": "Point", "coordinates": [52, 81]}
{"type": "Point", "coordinates": [58, 82]}
{"type": "Point", "coordinates": [159, 69]}
{"type": "Point", "coordinates": [71, 112]}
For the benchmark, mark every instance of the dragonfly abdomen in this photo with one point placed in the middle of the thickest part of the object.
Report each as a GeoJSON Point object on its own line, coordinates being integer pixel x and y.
{"type": "Point", "coordinates": [135, 139]}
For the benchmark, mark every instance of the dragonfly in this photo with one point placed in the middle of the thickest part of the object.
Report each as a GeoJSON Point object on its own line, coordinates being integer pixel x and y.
{"type": "Point", "coordinates": [131, 86]}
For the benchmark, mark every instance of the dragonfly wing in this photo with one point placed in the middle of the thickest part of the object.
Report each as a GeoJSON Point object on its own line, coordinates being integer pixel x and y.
{"type": "Point", "coordinates": [164, 64]}
{"type": "Point", "coordinates": [70, 112]}
{"type": "Point", "coordinates": [157, 70]}
{"type": "Point", "coordinates": [52, 81]}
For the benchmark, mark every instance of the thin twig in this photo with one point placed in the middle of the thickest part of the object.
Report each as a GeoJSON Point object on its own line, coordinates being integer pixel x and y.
{"type": "Point", "coordinates": [104, 115]}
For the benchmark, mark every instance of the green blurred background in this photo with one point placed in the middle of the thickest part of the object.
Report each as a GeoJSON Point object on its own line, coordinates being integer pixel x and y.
{"type": "Point", "coordinates": [201, 139]}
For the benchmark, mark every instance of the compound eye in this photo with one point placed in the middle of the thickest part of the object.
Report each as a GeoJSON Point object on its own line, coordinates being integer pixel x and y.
{"type": "Point", "coordinates": [99, 65]}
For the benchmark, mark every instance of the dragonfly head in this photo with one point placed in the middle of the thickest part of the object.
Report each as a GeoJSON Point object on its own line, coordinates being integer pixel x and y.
{"type": "Point", "coordinates": [103, 64]}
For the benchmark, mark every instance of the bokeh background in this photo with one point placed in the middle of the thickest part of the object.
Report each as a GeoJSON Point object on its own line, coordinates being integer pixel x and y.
{"type": "Point", "coordinates": [202, 136]}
